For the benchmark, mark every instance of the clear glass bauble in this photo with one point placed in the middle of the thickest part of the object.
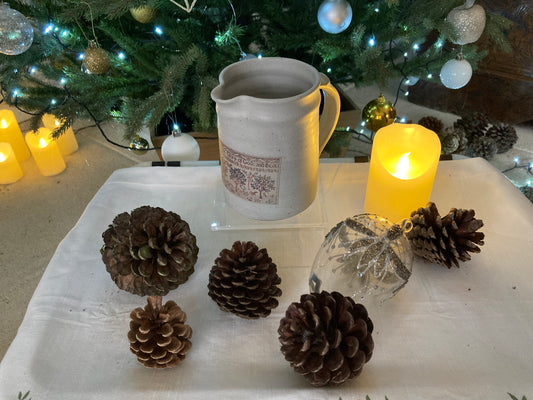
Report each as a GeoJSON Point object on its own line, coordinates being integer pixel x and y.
{"type": "Point", "coordinates": [16, 32]}
{"type": "Point", "coordinates": [334, 16]}
{"type": "Point", "coordinates": [366, 257]}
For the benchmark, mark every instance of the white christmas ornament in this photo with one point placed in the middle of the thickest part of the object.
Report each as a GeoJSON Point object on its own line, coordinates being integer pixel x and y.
{"type": "Point", "coordinates": [16, 32]}
{"type": "Point", "coordinates": [334, 16]}
{"type": "Point", "coordinates": [468, 22]}
{"type": "Point", "coordinates": [180, 147]}
{"type": "Point", "coordinates": [456, 73]}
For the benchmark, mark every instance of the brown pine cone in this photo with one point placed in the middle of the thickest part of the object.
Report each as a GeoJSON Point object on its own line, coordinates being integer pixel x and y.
{"type": "Point", "coordinates": [482, 146]}
{"type": "Point", "coordinates": [244, 281]}
{"type": "Point", "coordinates": [504, 135]}
{"type": "Point", "coordinates": [158, 334]}
{"type": "Point", "coordinates": [326, 337]}
{"type": "Point", "coordinates": [432, 123]}
{"type": "Point", "coordinates": [474, 124]}
{"type": "Point", "coordinates": [448, 240]}
{"type": "Point", "coordinates": [149, 252]}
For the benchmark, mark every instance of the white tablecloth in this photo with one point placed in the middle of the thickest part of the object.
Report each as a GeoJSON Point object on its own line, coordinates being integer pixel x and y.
{"type": "Point", "coordinates": [449, 334]}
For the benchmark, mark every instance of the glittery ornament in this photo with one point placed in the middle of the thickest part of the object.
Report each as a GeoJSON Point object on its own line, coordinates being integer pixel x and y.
{"type": "Point", "coordinates": [365, 256]}
{"type": "Point", "coordinates": [143, 14]}
{"type": "Point", "coordinates": [139, 145]}
{"type": "Point", "coordinates": [334, 16]}
{"type": "Point", "coordinates": [16, 32]}
{"type": "Point", "coordinates": [378, 113]}
{"type": "Point", "coordinates": [456, 73]}
{"type": "Point", "coordinates": [95, 59]}
{"type": "Point", "coordinates": [468, 22]}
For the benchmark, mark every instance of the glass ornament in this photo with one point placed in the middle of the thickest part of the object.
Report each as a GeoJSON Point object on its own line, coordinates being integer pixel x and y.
{"type": "Point", "coordinates": [16, 32]}
{"type": "Point", "coordinates": [334, 16]}
{"type": "Point", "coordinates": [378, 113]}
{"type": "Point", "coordinates": [366, 257]}
{"type": "Point", "coordinates": [456, 73]}
{"type": "Point", "coordinates": [139, 145]}
{"type": "Point", "coordinates": [180, 147]}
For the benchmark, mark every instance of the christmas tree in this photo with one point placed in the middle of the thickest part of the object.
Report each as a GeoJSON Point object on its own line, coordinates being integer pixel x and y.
{"type": "Point", "coordinates": [135, 61]}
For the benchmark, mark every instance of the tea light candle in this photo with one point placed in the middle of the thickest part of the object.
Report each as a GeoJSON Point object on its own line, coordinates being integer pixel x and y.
{"type": "Point", "coordinates": [10, 133]}
{"type": "Point", "coordinates": [67, 142]}
{"type": "Point", "coordinates": [9, 167]}
{"type": "Point", "coordinates": [45, 152]}
{"type": "Point", "coordinates": [403, 164]}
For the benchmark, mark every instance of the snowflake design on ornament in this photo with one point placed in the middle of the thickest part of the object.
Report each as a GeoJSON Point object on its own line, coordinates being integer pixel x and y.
{"type": "Point", "coordinates": [186, 6]}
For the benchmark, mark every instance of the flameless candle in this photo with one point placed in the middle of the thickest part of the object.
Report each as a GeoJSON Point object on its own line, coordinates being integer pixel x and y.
{"type": "Point", "coordinates": [402, 169]}
{"type": "Point", "coordinates": [67, 142]}
{"type": "Point", "coordinates": [45, 152]}
{"type": "Point", "coordinates": [10, 133]}
{"type": "Point", "coordinates": [9, 167]}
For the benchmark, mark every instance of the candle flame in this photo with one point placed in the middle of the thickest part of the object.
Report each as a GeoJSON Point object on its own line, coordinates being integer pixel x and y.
{"type": "Point", "coordinates": [2, 157]}
{"type": "Point", "coordinates": [42, 143]}
{"type": "Point", "coordinates": [3, 123]}
{"type": "Point", "coordinates": [57, 122]}
{"type": "Point", "coordinates": [402, 170]}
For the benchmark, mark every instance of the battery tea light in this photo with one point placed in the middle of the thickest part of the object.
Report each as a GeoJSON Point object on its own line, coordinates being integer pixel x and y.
{"type": "Point", "coordinates": [45, 152]}
{"type": "Point", "coordinates": [9, 167]}
{"type": "Point", "coordinates": [67, 142]}
{"type": "Point", "coordinates": [10, 133]}
{"type": "Point", "coordinates": [403, 164]}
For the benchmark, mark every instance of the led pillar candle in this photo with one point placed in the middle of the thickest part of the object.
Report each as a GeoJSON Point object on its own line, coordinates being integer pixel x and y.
{"type": "Point", "coordinates": [403, 164]}
{"type": "Point", "coordinates": [45, 152]}
{"type": "Point", "coordinates": [10, 133]}
{"type": "Point", "coordinates": [67, 142]}
{"type": "Point", "coordinates": [9, 167]}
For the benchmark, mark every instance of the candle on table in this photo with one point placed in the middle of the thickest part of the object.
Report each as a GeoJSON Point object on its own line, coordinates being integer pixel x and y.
{"type": "Point", "coordinates": [403, 164]}
{"type": "Point", "coordinates": [10, 133]}
{"type": "Point", "coordinates": [45, 152]}
{"type": "Point", "coordinates": [9, 167]}
{"type": "Point", "coordinates": [67, 142]}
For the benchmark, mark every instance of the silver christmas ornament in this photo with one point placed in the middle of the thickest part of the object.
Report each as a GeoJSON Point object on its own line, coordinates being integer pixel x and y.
{"type": "Point", "coordinates": [468, 22]}
{"type": "Point", "coordinates": [366, 257]}
{"type": "Point", "coordinates": [456, 73]}
{"type": "Point", "coordinates": [16, 32]}
{"type": "Point", "coordinates": [334, 16]}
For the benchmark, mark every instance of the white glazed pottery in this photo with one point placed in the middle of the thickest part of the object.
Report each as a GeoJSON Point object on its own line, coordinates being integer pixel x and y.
{"type": "Point", "coordinates": [271, 134]}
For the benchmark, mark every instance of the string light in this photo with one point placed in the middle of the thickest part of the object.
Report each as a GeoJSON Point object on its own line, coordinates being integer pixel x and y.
{"type": "Point", "coordinates": [53, 101]}
{"type": "Point", "coordinates": [439, 44]}
{"type": "Point", "coordinates": [33, 70]}
{"type": "Point", "coordinates": [416, 46]}
{"type": "Point", "coordinates": [372, 42]}
{"type": "Point", "coordinates": [158, 30]}
{"type": "Point", "coordinates": [81, 56]}
{"type": "Point", "coordinates": [16, 93]}
{"type": "Point", "coordinates": [430, 75]}
{"type": "Point", "coordinates": [63, 81]}
{"type": "Point", "coordinates": [48, 28]}
{"type": "Point", "coordinates": [121, 55]}
{"type": "Point", "coordinates": [328, 70]}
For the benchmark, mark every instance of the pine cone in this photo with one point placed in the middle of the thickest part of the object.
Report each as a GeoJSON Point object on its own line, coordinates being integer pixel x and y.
{"type": "Point", "coordinates": [149, 252]}
{"type": "Point", "coordinates": [474, 124]}
{"type": "Point", "coordinates": [158, 334]}
{"type": "Point", "coordinates": [432, 123]}
{"type": "Point", "coordinates": [243, 281]}
{"type": "Point", "coordinates": [504, 135]}
{"type": "Point", "coordinates": [455, 132]}
{"type": "Point", "coordinates": [326, 337]}
{"type": "Point", "coordinates": [450, 143]}
{"type": "Point", "coordinates": [528, 192]}
{"type": "Point", "coordinates": [482, 146]}
{"type": "Point", "coordinates": [448, 240]}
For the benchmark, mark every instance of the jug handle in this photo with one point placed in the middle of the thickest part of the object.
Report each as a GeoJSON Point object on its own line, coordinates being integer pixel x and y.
{"type": "Point", "coordinates": [331, 111]}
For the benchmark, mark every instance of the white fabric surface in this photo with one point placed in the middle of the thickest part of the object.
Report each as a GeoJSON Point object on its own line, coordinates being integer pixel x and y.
{"type": "Point", "coordinates": [449, 334]}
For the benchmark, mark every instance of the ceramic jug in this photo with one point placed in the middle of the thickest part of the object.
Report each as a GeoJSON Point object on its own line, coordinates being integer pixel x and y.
{"type": "Point", "coordinates": [271, 134]}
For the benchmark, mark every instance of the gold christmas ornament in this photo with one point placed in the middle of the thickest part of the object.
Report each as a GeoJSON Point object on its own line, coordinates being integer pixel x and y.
{"type": "Point", "coordinates": [95, 59]}
{"type": "Point", "coordinates": [143, 14]}
{"type": "Point", "coordinates": [378, 113]}
{"type": "Point", "coordinates": [139, 145]}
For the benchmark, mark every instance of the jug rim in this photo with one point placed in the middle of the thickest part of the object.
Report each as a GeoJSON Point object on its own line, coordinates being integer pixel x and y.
{"type": "Point", "coordinates": [234, 65]}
